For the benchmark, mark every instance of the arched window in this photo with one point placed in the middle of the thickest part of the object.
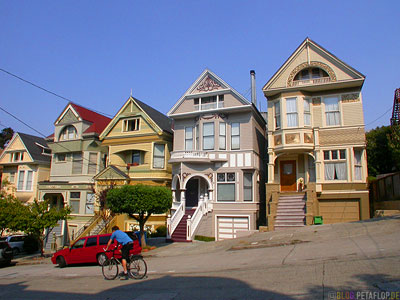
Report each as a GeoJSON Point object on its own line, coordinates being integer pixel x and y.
{"type": "Point", "coordinates": [68, 133]}
{"type": "Point", "coordinates": [310, 73]}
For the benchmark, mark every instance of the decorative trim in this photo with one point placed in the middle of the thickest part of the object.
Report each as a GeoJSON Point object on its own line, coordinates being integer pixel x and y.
{"type": "Point", "coordinates": [316, 101]}
{"type": "Point", "coordinates": [355, 97]}
{"type": "Point", "coordinates": [184, 175]}
{"type": "Point", "coordinates": [208, 85]}
{"type": "Point", "coordinates": [210, 176]}
{"type": "Point", "coordinates": [318, 64]}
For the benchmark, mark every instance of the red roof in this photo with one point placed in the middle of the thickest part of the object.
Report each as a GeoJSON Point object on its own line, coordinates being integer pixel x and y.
{"type": "Point", "coordinates": [99, 122]}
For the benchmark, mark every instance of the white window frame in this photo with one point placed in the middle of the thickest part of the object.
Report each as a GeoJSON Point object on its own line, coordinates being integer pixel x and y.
{"type": "Point", "coordinates": [338, 111]}
{"type": "Point", "coordinates": [67, 134]}
{"type": "Point", "coordinates": [17, 156]}
{"type": "Point", "coordinates": [235, 135]}
{"type": "Point", "coordinates": [335, 160]}
{"type": "Point", "coordinates": [126, 123]}
{"type": "Point", "coordinates": [197, 137]}
{"type": "Point", "coordinates": [75, 200]}
{"type": "Point", "coordinates": [209, 136]}
{"type": "Point", "coordinates": [307, 113]}
{"type": "Point", "coordinates": [292, 114]}
{"type": "Point", "coordinates": [225, 181]}
{"type": "Point", "coordinates": [24, 180]}
{"type": "Point", "coordinates": [200, 106]}
{"type": "Point", "coordinates": [189, 140]}
{"type": "Point", "coordinates": [277, 115]}
{"type": "Point", "coordinates": [222, 136]}
{"type": "Point", "coordinates": [247, 187]}
{"type": "Point", "coordinates": [359, 165]}
{"type": "Point", "coordinates": [154, 156]}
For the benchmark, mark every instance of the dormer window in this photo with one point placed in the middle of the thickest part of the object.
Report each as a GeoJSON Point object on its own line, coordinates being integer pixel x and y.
{"type": "Point", "coordinates": [131, 125]}
{"type": "Point", "coordinates": [310, 73]}
{"type": "Point", "coordinates": [211, 102]}
{"type": "Point", "coordinates": [17, 156]}
{"type": "Point", "coordinates": [68, 133]}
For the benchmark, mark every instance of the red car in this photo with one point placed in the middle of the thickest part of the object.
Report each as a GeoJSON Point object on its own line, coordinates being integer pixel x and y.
{"type": "Point", "coordinates": [90, 249]}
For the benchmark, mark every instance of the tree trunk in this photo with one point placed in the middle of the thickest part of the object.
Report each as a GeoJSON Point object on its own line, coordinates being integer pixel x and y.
{"type": "Point", "coordinates": [41, 246]}
{"type": "Point", "coordinates": [142, 236]}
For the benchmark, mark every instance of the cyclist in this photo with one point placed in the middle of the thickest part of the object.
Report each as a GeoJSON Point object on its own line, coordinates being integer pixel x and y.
{"type": "Point", "coordinates": [127, 245]}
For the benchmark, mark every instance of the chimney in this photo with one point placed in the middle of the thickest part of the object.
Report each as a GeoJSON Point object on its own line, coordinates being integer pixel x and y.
{"type": "Point", "coordinates": [253, 87]}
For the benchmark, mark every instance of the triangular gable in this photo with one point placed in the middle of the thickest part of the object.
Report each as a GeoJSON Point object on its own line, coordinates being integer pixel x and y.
{"type": "Point", "coordinates": [131, 108]}
{"type": "Point", "coordinates": [15, 144]}
{"type": "Point", "coordinates": [310, 54]}
{"type": "Point", "coordinates": [110, 173]}
{"type": "Point", "coordinates": [205, 83]}
{"type": "Point", "coordinates": [68, 115]}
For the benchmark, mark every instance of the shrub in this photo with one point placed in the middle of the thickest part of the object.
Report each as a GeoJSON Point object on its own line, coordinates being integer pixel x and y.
{"type": "Point", "coordinates": [161, 231]}
{"type": "Point", "coordinates": [204, 238]}
{"type": "Point", "coordinates": [31, 244]}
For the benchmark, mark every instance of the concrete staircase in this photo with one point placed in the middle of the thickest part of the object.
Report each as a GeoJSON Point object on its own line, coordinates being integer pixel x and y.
{"type": "Point", "coordinates": [98, 228]}
{"type": "Point", "coordinates": [290, 212]}
{"type": "Point", "coordinates": [179, 234]}
{"type": "Point", "coordinates": [49, 240]}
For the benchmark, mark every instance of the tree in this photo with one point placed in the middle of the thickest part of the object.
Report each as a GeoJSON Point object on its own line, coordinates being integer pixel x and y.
{"type": "Point", "coordinates": [140, 202]}
{"type": "Point", "coordinates": [5, 135]}
{"type": "Point", "coordinates": [12, 213]}
{"type": "Point", "coordinates": [383, 150]}
{"type": "Point", "coordinates": [40, 217]}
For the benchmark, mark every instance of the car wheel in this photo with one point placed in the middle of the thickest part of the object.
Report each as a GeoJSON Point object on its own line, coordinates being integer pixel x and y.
{"type": "Point", "coordinates": [101, 258]}
{"type": "Point", "coordinates": [61, 261]}
{"type": "Point", "coordinates": [15, 251]}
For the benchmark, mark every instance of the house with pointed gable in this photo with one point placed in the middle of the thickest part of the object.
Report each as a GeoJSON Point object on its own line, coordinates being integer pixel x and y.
{"type": "Point", "coordinates": [25, 161]}
{"type": "Point", "coordinates": [139, 141]}
{"type": "Point", "coordinates": [316, 140]}
{"type": "Point", "coordinates": [77, 156]}
{"type": "Point", "coordinates": [217, 162]}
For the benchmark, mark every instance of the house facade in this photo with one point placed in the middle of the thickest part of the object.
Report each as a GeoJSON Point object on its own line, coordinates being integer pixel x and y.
{"type": "Point", "coordinates": [217, 162]}
{"type": "Point", "coordinates": [25, 161]}
{"type": "Point", "coordinates": [139, 141]}
{"type": "Point", "coordinates": [316, 140]}
{"type": "Point", "coordinates": [77, 156]}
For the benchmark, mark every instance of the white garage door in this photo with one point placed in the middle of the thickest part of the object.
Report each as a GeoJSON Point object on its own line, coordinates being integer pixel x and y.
{"type": "Point", "coordinates": [229, 226]}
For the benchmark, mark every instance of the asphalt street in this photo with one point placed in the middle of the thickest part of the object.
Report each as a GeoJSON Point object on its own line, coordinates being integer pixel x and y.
{"type": "Point", "coordinates": [314, 262]}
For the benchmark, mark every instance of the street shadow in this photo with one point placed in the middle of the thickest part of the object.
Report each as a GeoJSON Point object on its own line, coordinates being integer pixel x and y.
{"type": "Point", "coordinates": [164, 288]}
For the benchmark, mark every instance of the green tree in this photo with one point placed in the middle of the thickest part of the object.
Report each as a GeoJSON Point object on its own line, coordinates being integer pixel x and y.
{"type": "Point", "coordinates": [12, 213]}
{"type": "Point", "coordinates": [40, 217]}
{"type": "Point", "coordinates": [5, 135]}
{"type": "Point", "coordinates": [140, 202]}
{"type": "Point", "coordinates": [383, 150]}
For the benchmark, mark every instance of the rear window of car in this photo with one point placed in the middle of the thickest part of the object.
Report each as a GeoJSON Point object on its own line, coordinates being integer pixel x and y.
{"type": "Point", "coordinates": [103, 240]}
{"type": "Point", "coordinates": [91, 242]}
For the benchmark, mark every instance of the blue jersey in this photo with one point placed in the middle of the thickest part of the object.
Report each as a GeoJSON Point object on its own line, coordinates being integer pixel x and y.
{"type": "Point", "coordinates": [121, 237]}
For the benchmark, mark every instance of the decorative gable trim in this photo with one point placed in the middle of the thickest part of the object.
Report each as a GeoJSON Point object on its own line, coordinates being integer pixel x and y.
{"type": "Point", "coordinates": [207, 82]}
{"type": "Point", "coordinates": [325, 67]}
{"type": "Point", "coordinates": [112, 171]}
{"type": "Point", "coordinates": [16, 135]}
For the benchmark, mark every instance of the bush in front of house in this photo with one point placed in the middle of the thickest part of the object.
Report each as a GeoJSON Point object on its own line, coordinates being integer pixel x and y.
{"type": "Point", "coordinates": [161, 231]}
{"type": "Point", "coordinates": [204, 238]}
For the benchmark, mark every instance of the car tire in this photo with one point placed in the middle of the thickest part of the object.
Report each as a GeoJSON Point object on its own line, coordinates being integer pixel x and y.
{"type": "Point", "coordinates": [101, 258]}
{"type": "Point", "coordinates": [61, 262]}
{"type": "Point", "coordinates": [15, 251]}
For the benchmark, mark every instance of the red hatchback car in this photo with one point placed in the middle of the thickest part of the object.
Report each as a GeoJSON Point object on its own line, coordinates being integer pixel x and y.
{"type": "Point", "coordinates": [89, 249]}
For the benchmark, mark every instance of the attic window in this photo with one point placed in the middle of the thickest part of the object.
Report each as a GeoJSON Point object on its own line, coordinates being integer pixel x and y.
{"type": "Point", "coordinates": [131, 124]}
{"type": "Point", "coordinates": [211, 102]}
{"type": "Point", "coordinates": [311, 75]}
{"type": "Point", "coordinates": [68, 133]}
{"type": "Point", "coordinates": [17, 156]}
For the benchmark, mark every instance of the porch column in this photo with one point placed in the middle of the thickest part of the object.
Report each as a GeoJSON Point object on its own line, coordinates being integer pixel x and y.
{"type": "Point", "coordinates": [183, 198]}
{"type": "Point", "coordinates": [173, 195]}
{"type": "Point", "coordinates": [271, 168]}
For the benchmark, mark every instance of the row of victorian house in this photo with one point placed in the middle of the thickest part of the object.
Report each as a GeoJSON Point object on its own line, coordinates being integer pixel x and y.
{"type": "Point", "coordinates": [230, 167]}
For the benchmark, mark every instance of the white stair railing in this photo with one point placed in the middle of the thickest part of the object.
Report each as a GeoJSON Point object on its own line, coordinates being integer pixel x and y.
{"type": "Point", "coordinates": [194, 221]}
{"type": "Point", "coordinates": [172, 222]}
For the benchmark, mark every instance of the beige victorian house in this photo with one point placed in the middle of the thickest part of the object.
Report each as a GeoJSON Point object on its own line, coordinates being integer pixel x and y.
{"type": "Point", "coordinates": [139, 141]}
{"type": "Point", "coordinates": [217, 162]}
{"type": "Point", "coordinates": [316, 141]}
{"type": "Point", "coordinates": [25, 161]}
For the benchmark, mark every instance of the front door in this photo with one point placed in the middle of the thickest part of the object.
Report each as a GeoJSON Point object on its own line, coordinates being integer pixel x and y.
{"type": "Point", "coordinates": [192, 192]}
{"type": "Point", "coordinates": [288, 176]}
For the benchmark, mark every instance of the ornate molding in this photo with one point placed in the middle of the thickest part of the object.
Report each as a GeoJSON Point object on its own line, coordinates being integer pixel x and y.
{"type": "Point", "coordinates": [355, 97]}
{"type": "Point", "coordinates": [184, 175]}
{"type": "Point", "coordinates": [317, 64]}
{"type": "Point", "coordinates": [208, 85]}
{"type": "Point", "coordinates": [210, 176]}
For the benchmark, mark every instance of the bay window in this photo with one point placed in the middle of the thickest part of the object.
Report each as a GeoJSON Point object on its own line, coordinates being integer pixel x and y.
{"type": "Point", "coordinates": [159, 156]}
{"type": "Point", "coordinates": [25, 179]}
{"type": "Point", "coordinates": [277, 107]}
{"type": "Point", "coordinates": [235, 136]}
{"type": "Point", "coordinates": [222, 136]}
{"type": "Point", "coordinates": [188, 138]}
{"type": "Point", "coordinates": [307, 112]}
{"type": "Point", "coordinates": [357, 164]}
{"type": "Point", "coordinates": [77, 162]}
{"type": "Point", "coordinates": [335, 165]}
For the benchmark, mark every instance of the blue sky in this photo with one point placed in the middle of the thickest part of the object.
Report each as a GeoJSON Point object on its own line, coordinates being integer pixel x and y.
{"type": "Point", "coordinates": [95, 52]}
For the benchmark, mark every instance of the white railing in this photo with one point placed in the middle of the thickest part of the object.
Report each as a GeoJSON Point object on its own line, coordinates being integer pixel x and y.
{"type": "Point", "coordinates": [172, 222]}
{"type": "Point", "coordinates": [194, 221]}
{"type": "Point", "coordinates": [189, 154]}
{"type": "Point", "coordinates": [311, 81]}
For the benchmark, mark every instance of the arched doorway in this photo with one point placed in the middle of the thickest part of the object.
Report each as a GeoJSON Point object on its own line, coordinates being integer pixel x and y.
{"type": "Point", "coordinates": [197, 188]}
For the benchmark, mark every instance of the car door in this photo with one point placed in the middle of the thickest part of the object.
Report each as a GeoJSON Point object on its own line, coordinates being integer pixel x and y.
{"type": "Point", "coordinates": [90, 250]}
{"type": "Point", "coordinates": [76, 252]}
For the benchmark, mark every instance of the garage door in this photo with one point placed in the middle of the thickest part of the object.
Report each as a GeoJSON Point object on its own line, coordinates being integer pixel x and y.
{"type": "Point", "coordinates": [339, 211]}
{"type": "Point", "coordinates": [228, 226]}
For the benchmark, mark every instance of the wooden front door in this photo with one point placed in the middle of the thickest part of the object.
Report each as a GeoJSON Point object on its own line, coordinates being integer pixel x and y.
{"type": "Point", "coordinates": [288, 176]}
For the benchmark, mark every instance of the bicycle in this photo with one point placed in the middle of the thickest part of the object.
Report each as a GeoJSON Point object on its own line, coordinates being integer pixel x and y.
{"type": "Point", "coordinates": [137, 267]}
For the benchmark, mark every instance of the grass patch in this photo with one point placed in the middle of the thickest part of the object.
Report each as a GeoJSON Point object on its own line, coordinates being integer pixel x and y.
{"type": "Point", "coordinates": [204, 238]}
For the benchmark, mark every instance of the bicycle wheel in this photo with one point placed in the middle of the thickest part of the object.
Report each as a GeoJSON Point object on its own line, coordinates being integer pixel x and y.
{"type": "Point", "coordinates": [137, 267]}
{"type": "Point", "coordinates": [110, 269]}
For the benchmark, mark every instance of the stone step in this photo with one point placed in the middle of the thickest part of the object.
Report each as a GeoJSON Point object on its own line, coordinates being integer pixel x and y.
{"type": "Point", "coordinates": [290, 217]}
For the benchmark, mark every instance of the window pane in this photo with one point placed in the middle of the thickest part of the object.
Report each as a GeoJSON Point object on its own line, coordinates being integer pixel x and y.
{"type": "Point", "coordinates": [158, 158]}
{"type": "Point", "coordinates": [235, 139]}
{"type": "Point", "coordinates": [89, 207]}
{"type": "Point", "coordinates": [103, 240]}
{"type": "Point", "coordinates": [92, 163]}
{"type": "Point", "coordinates": [247, 186]}
{"type": "Point", "coordinates": [208, 136]}
{"type": "Point", "coordinates": [188, 132]}
{"type": "Point", "coordinates": [326, 155]}
{"type": "Point", "coordinates": [221, 177]}
{"type": "Point", "coordinates": [332, 113]}
{"type": "Point", "coordinates": [230, 176]}
{"type": "Point", "coordinates": [334, 154]}
{"type": "Point", "coordinates": [226, 192]}
{"type": "Point", "coordinates": [29, 180]}
{"type": "Point", "coordinates": [291, 112]}
{"type": "Point", "coordinates": [21, 178]}
{"type": "Point", "coordinates": [77, 163]}
{"type": "Point", "coordinates": [74, 206]}
{"type": "Point", "coordinates": [342, 154]}
{"type": "Point", "coordinates": [91, 242]}
{"type": "Point", "coordinates": [75, 195]}
{"type": "Point", "coordinates": [208, 129]}
{"type": "Point", "coordinates": [222, 136]}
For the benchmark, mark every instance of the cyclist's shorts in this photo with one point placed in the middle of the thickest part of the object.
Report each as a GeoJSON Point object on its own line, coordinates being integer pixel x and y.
{"type": "Point", "coordinates": [125, 250]}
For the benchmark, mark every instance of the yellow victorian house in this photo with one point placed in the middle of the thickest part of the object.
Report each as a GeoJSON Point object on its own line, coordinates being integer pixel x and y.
{"type": "Point", "coordinates": [139, 141]}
